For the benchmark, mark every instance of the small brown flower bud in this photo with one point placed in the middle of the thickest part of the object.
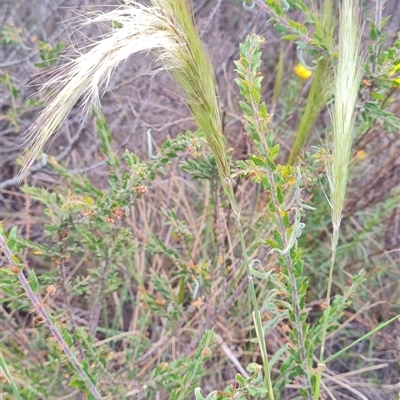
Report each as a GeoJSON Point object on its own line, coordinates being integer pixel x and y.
{"type": "Point", "coordinates": [15, 269]}
{"type": "Point", "coordinates": [51, 290]}
{"type": "Point", "coordinates": [142, 189]}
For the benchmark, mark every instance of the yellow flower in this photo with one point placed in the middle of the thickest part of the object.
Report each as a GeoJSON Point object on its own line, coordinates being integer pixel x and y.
{"type": "Point", "coordinates": [361, 154]}
{"type": "Point", "coordinates": [302, 72]}
{"type": "Point", "coordinates": [396, 80]}
{"type": "Point", "coordinates": [395, 69]}
{"type": "Point", "coordinates": [52, 160]}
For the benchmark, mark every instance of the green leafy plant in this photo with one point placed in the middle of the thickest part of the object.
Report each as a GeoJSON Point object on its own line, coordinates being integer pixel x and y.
{"type": "Point", "coordinates": [49, 54]}
{"type": "Point", "coordinates": [122, 288]}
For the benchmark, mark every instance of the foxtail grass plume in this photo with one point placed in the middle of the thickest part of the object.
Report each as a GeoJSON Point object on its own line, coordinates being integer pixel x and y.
{"type": "Point", "coordinates": [166, 28]}
{"type": "Point", "coordinates": [348, 78]}
{"type": "Point", "coordinates": [347, 82]}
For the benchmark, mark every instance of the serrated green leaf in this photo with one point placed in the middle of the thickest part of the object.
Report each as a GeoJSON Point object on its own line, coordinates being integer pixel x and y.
{"type": "Point", "coordinates": [246, 108]}
{"type": "Point", "coordinates": [257, 160]}
{"type": "Point", "coordinates": [274, 151]}
{"type": "Point", "coordinates": [298, 26]}
{"type": "Point", "coordinates": [263, 110]}
{"type": "Point", "coordinates": [253, 367]}
{"type": "Point", "coordinates": [15, 260]}
{"type": "Point", "coordinates": [33, 281]}
{"type": "Point", "coordinates": [255, 92]}
{"type": "Point", "coordinates": [85, 366]}
{"type": "Point", "coordinates": [77, 384]}
{"type": "Point", "coordinates": [240, 380]}
{"type": "Point", "coordinates": [279, 195]}
{"type": "Point", "coordinates": [286, 221]}
{"type": "Point", "coordinates": [68, 338]}
{"type": "Point", "coordinates": [271, 164]}
{"type": "Point", "coordinates": [271, 243]}
{"type": "Point", "coordinates": [289, 37]}
{"type": "Point", "coordinates": [281, 29]}
{"type": "Point", "coordinates": [13, 233]}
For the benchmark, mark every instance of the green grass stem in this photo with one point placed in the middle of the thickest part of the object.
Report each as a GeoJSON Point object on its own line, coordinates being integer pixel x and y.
{"type": "Point", "coordinates": [348, 77]}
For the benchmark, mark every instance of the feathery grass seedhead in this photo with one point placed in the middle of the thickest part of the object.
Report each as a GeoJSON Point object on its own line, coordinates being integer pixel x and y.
{"type": "Point", "coordinates": [141, 29]}
{"type": "Point", "coordinates": [348, 78]}
{"type": "Point", "coordinates": [165, 27]}
{"type": "Point", "coordinates": [347, 83]}
{"type": "Point", "coordinates": [196, 78]}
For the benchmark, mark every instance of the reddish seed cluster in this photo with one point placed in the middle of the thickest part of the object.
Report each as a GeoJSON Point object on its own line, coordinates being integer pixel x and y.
{"type": "Point", "coordinates": [51, 290]}
{"type": "Point", "coordinates": [142, 189]}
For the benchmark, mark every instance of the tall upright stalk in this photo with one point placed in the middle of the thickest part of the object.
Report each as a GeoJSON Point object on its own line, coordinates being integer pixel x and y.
{"type": "Point", "coordinates": [253, 297]}
{"type": "Point", "coordinates": [255, 113]}
{"type": "Point", "coordinates": [348, 78]}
